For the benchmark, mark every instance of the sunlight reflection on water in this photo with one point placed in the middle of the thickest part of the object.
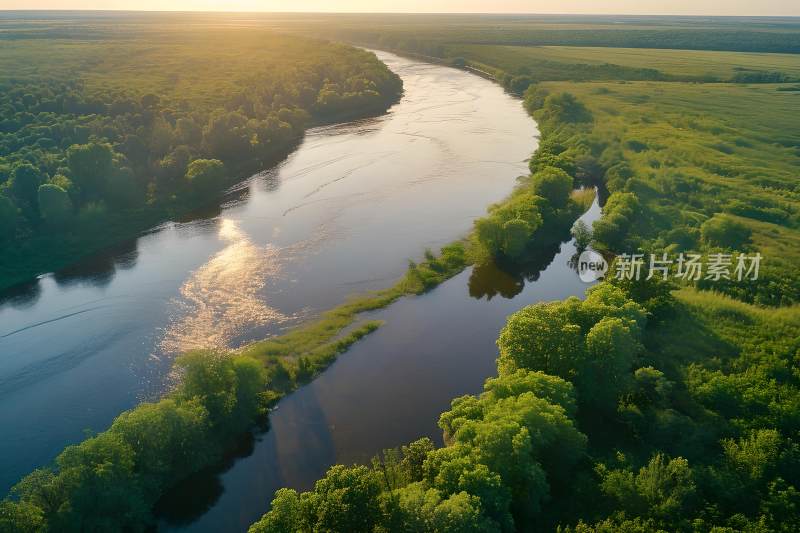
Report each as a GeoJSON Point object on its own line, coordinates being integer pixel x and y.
{"type": "Point", "coordinates": [222, 298]}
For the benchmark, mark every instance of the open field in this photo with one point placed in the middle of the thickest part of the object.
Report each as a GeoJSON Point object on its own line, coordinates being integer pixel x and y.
{"type": "Point", "coordinates": [680, 64]}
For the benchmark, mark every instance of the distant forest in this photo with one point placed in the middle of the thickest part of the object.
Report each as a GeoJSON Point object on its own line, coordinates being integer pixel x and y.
{"type": "Point", "coordinates": [100, 139]}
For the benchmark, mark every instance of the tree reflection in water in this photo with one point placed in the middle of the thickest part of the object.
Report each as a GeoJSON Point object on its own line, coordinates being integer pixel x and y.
{"type": "Point", "coordinates": [508, 279]}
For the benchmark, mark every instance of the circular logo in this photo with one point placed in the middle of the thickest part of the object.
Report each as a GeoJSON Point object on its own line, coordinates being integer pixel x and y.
{"type": "Point", "coordinates": [591, 266]}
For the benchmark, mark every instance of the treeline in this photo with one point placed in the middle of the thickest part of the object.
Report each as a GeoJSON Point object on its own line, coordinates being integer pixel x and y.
{"type": "Point", "coordinates": [509, 452]}
{"type": "Point", "coordinates": [429, 37]}
{"type": "Point", "coordinates": [111, 481]}
{"type": "Point", "coordinates": [114, 480]}
{"type": "Point", "coordinates": [541, 209]}
{"type": "Point", "coordinates": [590, 426]}
{"type": "Point", "coordinates": [740, 40]}
{"type": "Point", "coordinates": [75, 157]}
{"type": "Point", "coordinates": [480, 47]}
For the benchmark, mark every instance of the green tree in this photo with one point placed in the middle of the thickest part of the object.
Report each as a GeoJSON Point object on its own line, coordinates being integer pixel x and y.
{"type": "Point", "coordinates": [165, 438]}
{"type": "Point", "coordinates": [188, 132]}
{"type": "Point", "coordinates": [554, 185]}
{"type": "Point", "coordinates": [508, 229]}
{"type": "Point", "coordinates": [345, 500]}
{"type": "Point", "coordinates": [489, 233]}
{"type": "Point", "coordinates": [90, 165]}
{"type": "Point", "coordinates": [551, 388]}
{"type": "Point", "coordinates": [100, 486]}
{"type": "Point", "coordinates": [582, 234]}
{"type": "Point", "coordinates": [543, 337]}
{"type": "Point", "coordinates": [20, 517]}
{"type": "Point", "coordinates": [663, 489]}
{"type": "Point", "coordinates": [205, 175]}
{"type": "Point", "coordinates": [210, 378]}
{"type": "Point", "coordinates": [519, 84]}
{"type": "Point", "coordinates": [516, 236]}
{"type": "Point", "coordinates": [285, 514]}
{"type": "Point", "coordinates": [121, 189]}
{"type": "Point", "coordinates": [619, 213]}
{"type": "Point", "coordinates": [611, 346]}
{"type": "Point", "coordinates": [426, 510]}
{"type": "Point", "coordinates": [227, 137]}
{"type": "Point", "coordinates": [24, 183]}
{"type": "Point", "coordinates": [55, 205]}
{"type": "Point", "coordinates": [564, 108]}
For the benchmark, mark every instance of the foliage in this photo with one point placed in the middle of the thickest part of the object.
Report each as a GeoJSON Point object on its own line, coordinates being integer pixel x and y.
{"type": "Point", "coordinates": [492, 474]}
{"type": "Point", "coordinates": [55, 204]}
{"type": "Point", "coordinates": [564, 108]}
{"type": "Point", "coordinates": [722, 230]}
{"type": "Point", "coordinates": [684, 404]}
{"type": "Point", "coordinates": [118, 118]}
{"type": "Point", "coordinates": [205, 175]}
{"type": "Point", "coordinates": [554, 185]}
{"type": "Point", "coordinates": [111, 481]}
{"type": "Point", "coordinates": [619, 216]}
{"type": "Point", "coordinates": [582, 234]}
{"type": "Point", "coordinates": [638, 409]}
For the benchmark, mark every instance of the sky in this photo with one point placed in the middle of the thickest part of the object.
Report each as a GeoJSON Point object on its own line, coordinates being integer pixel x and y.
{"type": "Point", "coordinates": [637, 7]}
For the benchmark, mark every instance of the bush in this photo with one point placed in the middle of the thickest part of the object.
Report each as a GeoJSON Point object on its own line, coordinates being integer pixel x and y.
{"type": "Point", "coordinates": [554, 185]}
{"type": "Point", "coordinates": [725, 231]}
{"type": "Point", "coordinates": [564, 108]}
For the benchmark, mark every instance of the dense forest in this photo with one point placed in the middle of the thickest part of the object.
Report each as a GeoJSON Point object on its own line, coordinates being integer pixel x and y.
{"type": "Point", "coordinates": [102, 136]}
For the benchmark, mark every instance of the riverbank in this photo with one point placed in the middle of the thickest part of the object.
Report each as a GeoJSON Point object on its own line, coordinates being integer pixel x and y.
{"type": "Point", "coordinates": [106, 129]}
{"type": "Point", "coordinates": [656, 402]}
{"type": "Point", "coordinates": [424, 274]}
{"type": "Point", "coordinates": [296, 358]}
{"type": "Point", "coordinates": [22, 263]}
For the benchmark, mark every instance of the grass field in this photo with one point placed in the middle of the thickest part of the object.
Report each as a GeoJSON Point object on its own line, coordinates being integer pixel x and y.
{"type": "Point", "coordinates": [700, 149]}
{"type": "Point", "coordinates": [680, 64]}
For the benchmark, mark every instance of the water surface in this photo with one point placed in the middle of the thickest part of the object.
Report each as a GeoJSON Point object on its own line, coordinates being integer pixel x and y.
{"type": "Point", "coordinates": [342, 214]}
{"type": "Point", "coordinates": [387, 390]}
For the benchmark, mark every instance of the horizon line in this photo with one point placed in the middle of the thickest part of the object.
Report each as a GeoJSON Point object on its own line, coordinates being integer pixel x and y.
{"type": "Point", "coordinates": [489, 13]}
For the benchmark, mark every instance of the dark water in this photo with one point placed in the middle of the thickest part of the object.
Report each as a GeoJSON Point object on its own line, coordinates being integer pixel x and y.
{"type": "Point", "coordinates": [387, 390]}
{"type": "Point", "coordinates": [343, 214]}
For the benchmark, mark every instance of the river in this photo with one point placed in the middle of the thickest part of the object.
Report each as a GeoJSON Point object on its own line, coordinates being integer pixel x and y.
{"type": "Point", "coordinates": [343, 214]}
{"type": "Point", "coordinates": [387, 390]}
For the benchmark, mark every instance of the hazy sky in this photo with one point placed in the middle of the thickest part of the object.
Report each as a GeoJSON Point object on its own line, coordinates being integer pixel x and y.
{"type": "Point", "coordinates": [665, 7]}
